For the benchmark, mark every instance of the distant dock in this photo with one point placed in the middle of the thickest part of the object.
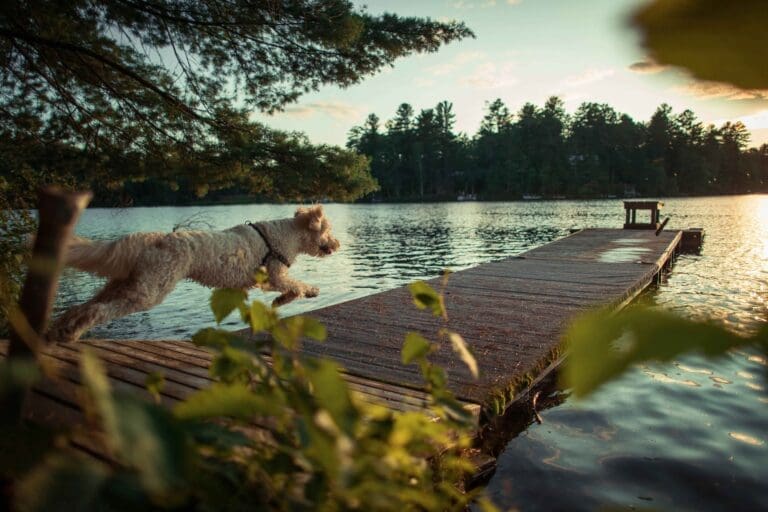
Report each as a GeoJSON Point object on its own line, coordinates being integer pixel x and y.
{"type": "Point", "coordinates": [511, 312]}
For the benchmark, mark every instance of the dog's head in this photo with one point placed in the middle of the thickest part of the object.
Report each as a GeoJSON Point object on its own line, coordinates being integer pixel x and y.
{"type": "Point", "coordinates": [317, 239]}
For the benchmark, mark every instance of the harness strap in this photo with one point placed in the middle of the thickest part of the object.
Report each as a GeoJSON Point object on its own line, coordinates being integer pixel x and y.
{"type": "Point", "coordinates": [271, 252]}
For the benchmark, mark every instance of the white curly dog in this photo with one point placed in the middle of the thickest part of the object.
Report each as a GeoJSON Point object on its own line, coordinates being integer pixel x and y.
{"type": "Point", "coordinates": [143, 268]}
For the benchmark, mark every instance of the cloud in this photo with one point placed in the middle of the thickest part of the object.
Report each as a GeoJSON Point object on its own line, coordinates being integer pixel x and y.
{"type": "Point", "coordinates": [571, 97]}
{"type": "Point", "coordinates": [334, 109]}
{"type": "Point", "coordinates": [467, 4]}
{"type": "Point", "coordinates": [647, 66]}
{"type": "Point", "coordinates": [588, 77]}
{"type": "Point", "coordinates": [712, 90]}
{"type": "Point", "coordinates": [484, 74]}
{"type": "Point", "coordinates": [423, 82]}
{"type": "Point", "coordinates": [759, 137]}
{"type": "Point", "coordinates": [470, 4]}
{"type": "Point", "coordinates": [489, 75]}
{"type": "Point", "coordinates": [458, 62]}
{"type": "Point", "coordinates": [756, 121]}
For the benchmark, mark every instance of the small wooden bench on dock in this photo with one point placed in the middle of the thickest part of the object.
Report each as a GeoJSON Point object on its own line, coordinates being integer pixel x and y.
{"type": "Point", "coordinates": [631, 208]}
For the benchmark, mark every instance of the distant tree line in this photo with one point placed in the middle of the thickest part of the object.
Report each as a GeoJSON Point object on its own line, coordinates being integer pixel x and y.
{"type": "Point", "coordinates": [543, 151]}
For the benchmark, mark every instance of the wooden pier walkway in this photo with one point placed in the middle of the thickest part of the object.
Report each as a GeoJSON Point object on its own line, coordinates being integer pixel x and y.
{"type": "Point", "coordinates": [511, 312]}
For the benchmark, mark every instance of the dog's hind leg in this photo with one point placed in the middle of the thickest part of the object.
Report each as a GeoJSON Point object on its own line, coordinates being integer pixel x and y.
{"type": "Point", "coordinates": [139, 292]}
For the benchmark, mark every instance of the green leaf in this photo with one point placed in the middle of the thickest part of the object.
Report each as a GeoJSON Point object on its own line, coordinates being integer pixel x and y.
{"type": "Point", "coordinates": [17, 374]}
{"type": "Point", "coordinates": [320, 446]}
{"type": "Point", "coordinates": [209, 433]}
{"type": "Point", "coordinates": [224, 400]}
{"type": "Point", "coordinates": [602, 347]}
{"type": "Point", "coordinates": [262, 275]}
{"type": "Point", "coordinates": [142, 435]}
{"type": "Point", "coordinates": [219, 339]}
{"type": "Point", "coordinates": [71, 483]}
{"type": "Point", "coordinates": [415, 348]}
{"type": "Point", "coordinates": [149, 439]}
{"type": "Point", "coordinates": [23, 446]}
{"type": "Point", "coordinates": [332, 393]}
{"type": "Point", "coordinates": [714, 40]}
{"type": "Point", "coordinates": [454, 410]}
{"type": "Point", "coordinates": [461, 348]}
{"type": "Point", "coordinates": [314, 329]}
{"type": "Point", "coordinates": [425, 297]}
{"type": "Point", "coordinates": [98, 389]}
{"type": "Point", "coordinates": [232, 365]}
{"type": "Point", "coordinates": [226, 300]}
{"type": "Point", "coordinates": [213, 338]}
{"type": "Point", "coordinates": [435, 376]}
{"type": "Point", "coordinates": [486, 505]}
{"type": "Point", "coordinates": [155, 382]}
{"type": "Point", "coordinates": [414, 427]}
{"type": "Point", "coordinates": [262, 317]}
{"type": "Point", "coordinates": [288, 332]}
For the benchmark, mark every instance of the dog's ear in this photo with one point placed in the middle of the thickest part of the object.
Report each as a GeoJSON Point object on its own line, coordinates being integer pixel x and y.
{"type": "Point", "coordinates": [311, 218]}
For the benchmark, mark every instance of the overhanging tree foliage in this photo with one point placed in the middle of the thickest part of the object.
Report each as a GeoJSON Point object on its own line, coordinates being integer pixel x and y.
{"type": "Point", "coordinates": [103, 93]}
{"type": "Point", "coordinates": [110, 91]}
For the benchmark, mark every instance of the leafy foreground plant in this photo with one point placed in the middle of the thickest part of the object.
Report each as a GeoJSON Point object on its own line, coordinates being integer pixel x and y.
{"type": "Point", "coordinates": [603, 346]}
{"type": "Point", "coordinates": [276, 431]}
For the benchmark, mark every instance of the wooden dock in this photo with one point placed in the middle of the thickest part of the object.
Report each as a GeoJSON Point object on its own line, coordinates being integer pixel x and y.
{"type": "Point", "coordinates": [511, 312]}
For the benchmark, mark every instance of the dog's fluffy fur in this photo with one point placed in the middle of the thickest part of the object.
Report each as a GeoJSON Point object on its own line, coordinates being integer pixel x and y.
{"type": "Point", "coordinates": [143, 268]}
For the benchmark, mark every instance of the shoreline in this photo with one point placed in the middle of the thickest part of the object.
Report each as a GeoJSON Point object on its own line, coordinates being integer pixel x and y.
{"type": "Point", "coordinates": [240, 201]}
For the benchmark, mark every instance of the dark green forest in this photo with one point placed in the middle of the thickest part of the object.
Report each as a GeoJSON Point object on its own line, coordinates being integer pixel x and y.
{"type": "Point", "coordinates": [545, 151]}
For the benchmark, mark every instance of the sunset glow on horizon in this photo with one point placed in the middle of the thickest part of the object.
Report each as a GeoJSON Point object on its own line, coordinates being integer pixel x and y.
{"type": "Point", "coordinates": [524, 51]}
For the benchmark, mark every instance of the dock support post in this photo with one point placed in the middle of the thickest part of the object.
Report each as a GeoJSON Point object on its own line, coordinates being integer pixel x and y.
{"type": "Point", "coordinates": [58, 214]}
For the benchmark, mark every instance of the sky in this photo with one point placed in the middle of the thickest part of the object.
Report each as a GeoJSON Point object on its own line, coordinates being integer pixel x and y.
{"type": "Point", "coordinates": [524, 51]}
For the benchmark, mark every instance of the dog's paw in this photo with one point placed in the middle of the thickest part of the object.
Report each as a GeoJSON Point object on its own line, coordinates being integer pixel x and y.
{"type": "Point", "coordinates": [311, 291]}
{"type": "Point", "coordinates": [285, 298]}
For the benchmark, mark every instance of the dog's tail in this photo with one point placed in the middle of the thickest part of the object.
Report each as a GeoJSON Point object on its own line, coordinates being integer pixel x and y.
{"type": "Point", "coordinates": [107, 259]}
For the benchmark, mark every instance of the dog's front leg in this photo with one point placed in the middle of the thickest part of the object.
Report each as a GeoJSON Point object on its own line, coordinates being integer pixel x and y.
{"type": "Point", "coordinates": [290, 289]}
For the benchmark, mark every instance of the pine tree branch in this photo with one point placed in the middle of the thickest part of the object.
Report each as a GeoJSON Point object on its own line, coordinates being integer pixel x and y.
{"type": "Point", "coordinates": [123, 70]}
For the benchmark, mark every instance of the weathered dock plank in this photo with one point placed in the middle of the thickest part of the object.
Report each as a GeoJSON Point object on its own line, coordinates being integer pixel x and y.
{"type": "Point", "coordinates": [511, 312]}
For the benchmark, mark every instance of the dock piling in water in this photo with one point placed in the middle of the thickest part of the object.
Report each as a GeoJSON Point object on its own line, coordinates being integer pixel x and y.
{"type": "Point", "coordinates": [692, 240]}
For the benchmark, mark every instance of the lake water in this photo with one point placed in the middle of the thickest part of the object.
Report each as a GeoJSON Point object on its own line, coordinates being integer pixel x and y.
{"type": "Point", "coordinates": [686, 436]}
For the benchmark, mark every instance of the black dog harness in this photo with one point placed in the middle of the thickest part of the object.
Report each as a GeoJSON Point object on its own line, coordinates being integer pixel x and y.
{"type": "Point", "coordinates": [271, 252]}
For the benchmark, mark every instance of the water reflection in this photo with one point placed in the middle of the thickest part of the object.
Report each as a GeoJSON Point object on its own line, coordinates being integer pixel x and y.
{"type": "Point", "coordinates": [745, 438]}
